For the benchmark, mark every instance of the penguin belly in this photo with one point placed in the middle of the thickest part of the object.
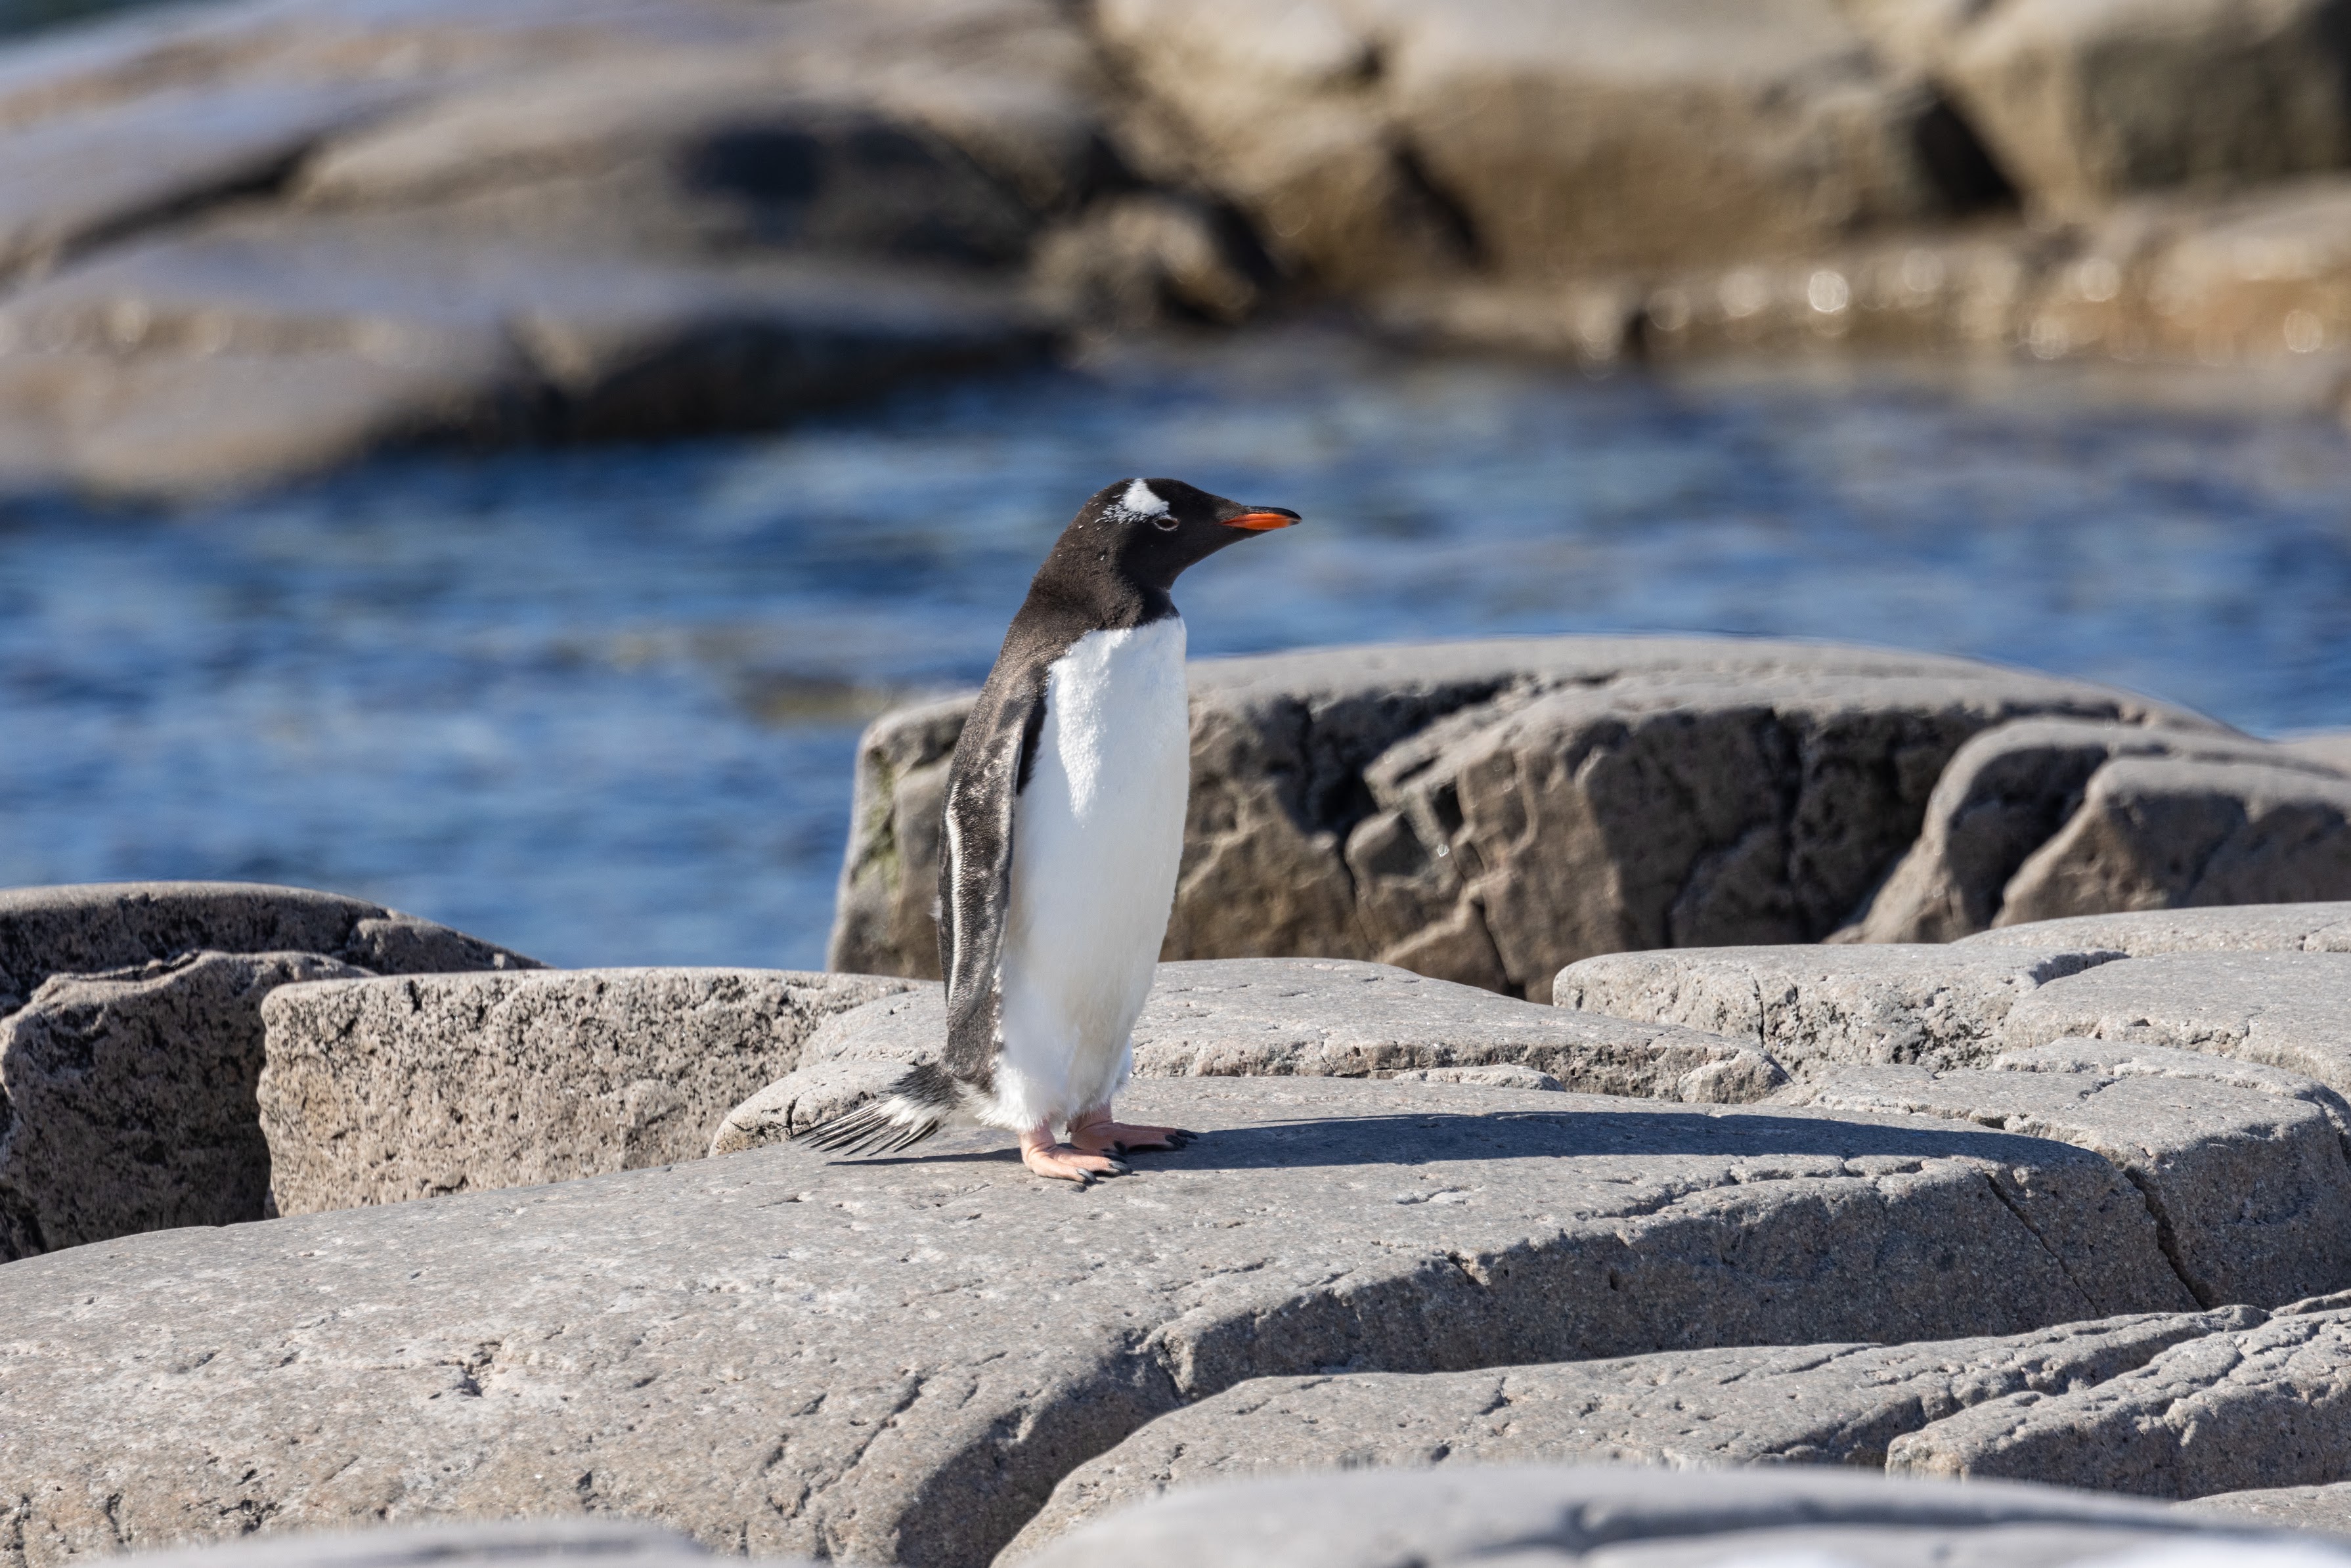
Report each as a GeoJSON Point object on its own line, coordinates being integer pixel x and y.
{"type": "Point", "coordinates": [1096, 838]}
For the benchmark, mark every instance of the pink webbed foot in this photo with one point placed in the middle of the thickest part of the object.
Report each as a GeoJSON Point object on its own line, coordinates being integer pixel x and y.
{"type": "Point", "coordinates": [1102, 1133]}
{"type": "Point", "coordinates": [1066, 1162]}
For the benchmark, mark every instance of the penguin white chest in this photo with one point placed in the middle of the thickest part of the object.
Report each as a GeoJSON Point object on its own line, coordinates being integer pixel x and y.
{"type": "Point", "coordinates": [1096, 838]}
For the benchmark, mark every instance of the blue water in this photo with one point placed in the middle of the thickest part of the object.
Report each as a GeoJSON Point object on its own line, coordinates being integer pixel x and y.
{"type": "Point", "coordinates": [602, 705]}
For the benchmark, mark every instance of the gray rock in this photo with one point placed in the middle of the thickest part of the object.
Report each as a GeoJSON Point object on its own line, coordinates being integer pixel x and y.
{"type": "Point", "coordinates": [2006, 793]}
{"type": "Point", "coordinates": [2082, 103]}
{"type": "Point", "coordinates": [2329, 747]}
{"type": "Point", "coordinates": [2324, 1507]}
{"type": "Point", "coordinates": [1488, 812]}
{"type": "Point", "coordinates": [1312, 1018]}
{"type": "Point", "coordinates": [1816, 1404]}
{"type": "Point", "coordinates": [2268, 1406]}
{"type": "Point", "coordinates": [89, 927]}
{"type": "Point", "coordinates": [129, 1098]}
{"type": "Point", "coordinates": [896, 1361]}
{"type": "Point", "coordinates": [382, 1091]}
{"type": "Point", "coordinates": [2241, 928]}
{"type": "Point", "coordinates": [496, 1544]}
{"type": "Point", "coordinates": [2283, 1009]}
{"type": "Point", "coordinates": [1921, 1003]}
{"type": "Point", "coordinates": [2122, 1059]}
{"type": "Point", "coordinates": [2250, 1190]}
{"type": "Point", "coordinates": [1598, 1515]}
{"type": "Point", "coordinates": [2155, 834]}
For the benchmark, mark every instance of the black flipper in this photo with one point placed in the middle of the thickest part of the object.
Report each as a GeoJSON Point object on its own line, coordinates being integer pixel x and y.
{"type": "Point", "coordinates": [992, 761]}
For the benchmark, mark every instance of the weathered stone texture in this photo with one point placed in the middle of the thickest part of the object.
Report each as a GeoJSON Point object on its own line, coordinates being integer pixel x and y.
{"type": "Point", "coordinates": [779, 1355]}
{"type": "Point", "coordinates": [2241, 928]}
{"type": "Point", "coordinates": [127, 1099]}
{"type": "Point", "coordinates": [1538, 1517]}
{"type": "Point", "coordinates": [2268, 1406]}
{"type": "Point", "coordinates": [2286, 1009]}
{"type": "Point", "coordinates": [1315, 1017]}
{"type": "Point", "coordinates": [382, 1091]}
{"type": "Point", "coordinates": [1815, 1404]}
{"type": "Point", "coordinates": [502, 1543]}
{"type": "Point", "coordinates": [2326, 1507]}
{"type": "Point", "coordinates": [1920, 1003]}
{"type": "Point", "coordinates": [1487, 812]}
{"type": "Point", "coordinates": [2011, 791]}
{"type": "Point", "coordinates": [2249, 1189]}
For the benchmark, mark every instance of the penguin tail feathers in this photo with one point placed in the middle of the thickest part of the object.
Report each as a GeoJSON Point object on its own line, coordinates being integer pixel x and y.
{"type": "Point", "coordinates": [915, 1107]}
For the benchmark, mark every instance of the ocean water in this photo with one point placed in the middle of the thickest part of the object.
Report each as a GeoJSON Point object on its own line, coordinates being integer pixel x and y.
{"type": "Point", "coordinates": [602, 705]}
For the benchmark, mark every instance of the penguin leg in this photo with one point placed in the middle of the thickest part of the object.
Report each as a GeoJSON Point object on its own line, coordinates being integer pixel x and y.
{"type": "Point", "coordinates": [1043, 1153]}
{"type": "Point", "coordinates": [1098, 1132]}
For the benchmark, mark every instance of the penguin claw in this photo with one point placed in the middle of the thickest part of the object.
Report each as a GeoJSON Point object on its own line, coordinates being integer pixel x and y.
{"type": "Point", "coordinates": [1124, 1137]}
{"type": "Point", "coordinates": [1066, 1162]}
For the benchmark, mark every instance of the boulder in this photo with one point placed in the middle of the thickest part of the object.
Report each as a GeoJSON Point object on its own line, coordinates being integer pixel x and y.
{"type": "Point", "coordinates": [2264, 1407]}
{"type": "Point", "coordinates": [775, 1353]}
{"type": "Point", "coordinates": [2142, 933]}
{"type": "Point", "coordinates": [1815, 1404]}
{"type": "Point", "coordinates": [382, 1091]}
{"type": "Point", "coordinates": [490, 1544]}
{"type": "Point", "coordinates": [2285, 1010]}
{"type": "Point", "coordinates": [1918, 1003]}
{"type": "Point", "coordinates": [2007, 793]}
{"type": "Point", "coordinates": [89, 927]}
{"type": "Point", "coordinates": [1488, 812]}
{"type": "Point", "coordinates": [2324, 1507]}
{"type": "Point", "coordinates": [1313, 1018]}
{"type": "Point", "coordinates": [2155, 834]}
{"type": "Point", "coordinates": [2081, 102]}
{"type": "Point", "coordinates": [2250, 1190]}
{"type": "Point", "coordinates": [1541, 1517]}
{"type": "Point", "coordinates": [129, 1098]}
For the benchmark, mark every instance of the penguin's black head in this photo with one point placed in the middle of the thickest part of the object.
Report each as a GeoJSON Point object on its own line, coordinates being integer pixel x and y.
{"type": "Point", "coordinates": [1149, 531]}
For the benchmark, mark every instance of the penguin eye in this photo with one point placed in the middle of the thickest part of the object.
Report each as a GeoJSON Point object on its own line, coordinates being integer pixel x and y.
{"type": "Point", "coordinates": [1165, 522]}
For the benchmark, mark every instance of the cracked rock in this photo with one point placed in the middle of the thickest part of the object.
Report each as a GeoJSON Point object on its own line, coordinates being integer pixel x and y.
{"type": "Point", "coordinates": [2282, 1010]}
{"type": "Point", "coordinates": [1315, 1017]}
{"type": "Point", "coordinates": [2250, 1190]}
{"type": "Point", "coordinates": [2265, 1407]}
{"type": "Point", "coordinates": [2238, 928]}
{"type": "Point", "coordinates": [1538, 1517]}
{"type": "Point", "coordinates": [1488, 812]}
{"type": "Point", "coordinates": [381, 1091]}
{"type": "Point", "coordinates": [1918, 1003]}
{"type": "Point", "coordinates": [780, 1354]}
{"type": "Point", "coordinates": [1814, 1404]}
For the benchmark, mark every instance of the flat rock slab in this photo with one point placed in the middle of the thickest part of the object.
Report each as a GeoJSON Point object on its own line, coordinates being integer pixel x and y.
{"type": "Point", "coordinates": [897, 1360]}
{"type": "Point", "coordinates": [1316, 1017]}
{"type": "Point", "coordinates": [2326, 1507]}
{"type": "Point", "coordinates": [1532, 1517]}
{"type": "Point", "coordinates": [1819, 1404]}
{"type": "Point", "coordinates": [2249, 1189]}
{"type": "Point", "coordinates": [1920, 1002]}
{"type": "Point", "coordinates": [382, 1091]}
{"type": "Point", "coordinates": [2264, 1407]}
{"type": "Point", "coordinates": [91, 927]}
{"type": "Point", "coordinates": [2235, 928]}
{"type": "Point", "coordinates": [2285, 1010]}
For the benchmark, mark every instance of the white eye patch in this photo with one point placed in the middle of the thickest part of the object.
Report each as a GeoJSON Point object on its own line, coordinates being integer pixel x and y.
{"type": "Point", "coordinates": [1143, 501]}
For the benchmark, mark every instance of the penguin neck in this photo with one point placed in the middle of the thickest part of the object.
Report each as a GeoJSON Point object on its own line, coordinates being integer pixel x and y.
{"type": "Point", "coordinates": [1094, 587]}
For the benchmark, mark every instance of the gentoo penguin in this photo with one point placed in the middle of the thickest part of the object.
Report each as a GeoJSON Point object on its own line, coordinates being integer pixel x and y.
{"type": "Point", "coordinates": [1064, 822]}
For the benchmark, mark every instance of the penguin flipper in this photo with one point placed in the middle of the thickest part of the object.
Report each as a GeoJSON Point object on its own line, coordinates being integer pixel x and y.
{"type": "Point", "coordinates": [915, 1107]}
{"type": "Point", "coordinates": [993, 758]}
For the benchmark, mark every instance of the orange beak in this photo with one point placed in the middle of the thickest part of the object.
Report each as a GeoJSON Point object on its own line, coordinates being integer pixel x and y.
{"type": "Point", "coordinates": [1261, 519]}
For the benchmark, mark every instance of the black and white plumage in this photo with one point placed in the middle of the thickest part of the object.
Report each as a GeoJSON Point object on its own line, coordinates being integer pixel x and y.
{"type": "Point", "coordinates": [1064, 822]}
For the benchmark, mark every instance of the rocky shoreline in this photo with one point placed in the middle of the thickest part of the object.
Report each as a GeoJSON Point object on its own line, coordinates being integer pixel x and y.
{"type": "Point", "coordinates": [325, 1217]}
{"type": "Point", "coordinates": [258, 238]}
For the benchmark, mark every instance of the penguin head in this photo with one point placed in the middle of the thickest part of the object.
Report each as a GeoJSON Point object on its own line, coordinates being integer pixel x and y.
{"type": "Point", "coordinates": [1153, 529]}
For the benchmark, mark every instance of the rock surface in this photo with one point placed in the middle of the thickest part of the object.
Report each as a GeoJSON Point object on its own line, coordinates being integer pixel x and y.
{"type": "Point", "coordinates": [510, 1544]}
{"type": "Point", "coordinates": [2008, 793]}
{"type": "Point", "coordinates": [1525, 1515]}
{"type": "Point", "coordinates": [779, 1355]}
{"type": "Point", "coordinates": [1920, 1003]}
{"type": "Point", "coordinates": [2285, 1010]}
{"type": "Point", "coordinates": [2250, 1190]}
{"type": "Point", "coordinates": [2264, 1407]}
{"type": "Point", "coordinates": [1487, 812]}
{"type": "Point", "coordinates": [2245, 928]}
{"type": "Point", "coordinates": [1311, 1018]}
{"type": "Point", "coordinates": [380, 1091]}
{"type": "Point", "coordinates": [2326, 1507]}
{"type": "Point", "coordinates": [129, 1098]}
{"type": "Point", "coordinates": [1816, 1404]}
